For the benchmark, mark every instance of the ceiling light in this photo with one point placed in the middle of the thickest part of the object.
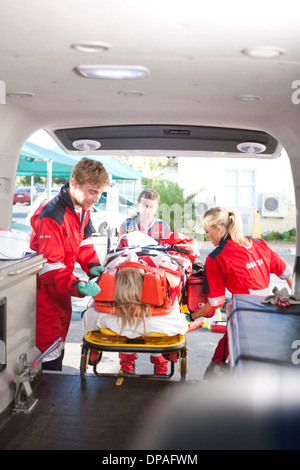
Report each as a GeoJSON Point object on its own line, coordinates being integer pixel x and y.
{"type": "Point", "coordinates": [247, 98]}
{"type": "Point", "coordinates": [86, 144]}
{"type": "Point", "coordinates": [251, 147]}
{"type": "Point", "coordinates": [118, 72]}
{"type": "Point", "coordinates": [91, 46]}
{"type": "Point", "coordinates": [19, 94]}
{"type": "Point", "coordinates": [263, 52]}
{"type": "Point", "coordinates": [131, 93]}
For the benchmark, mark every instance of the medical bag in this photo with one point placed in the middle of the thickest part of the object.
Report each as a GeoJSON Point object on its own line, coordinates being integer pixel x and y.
{"type": "Point", "coordinates": [195, 298]}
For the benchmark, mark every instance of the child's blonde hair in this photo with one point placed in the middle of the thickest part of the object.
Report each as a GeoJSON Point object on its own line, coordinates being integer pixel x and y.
{"type": "Point", "coordinates": [128, 305]}
{"type": "Point", "coordinates": [230, 220]}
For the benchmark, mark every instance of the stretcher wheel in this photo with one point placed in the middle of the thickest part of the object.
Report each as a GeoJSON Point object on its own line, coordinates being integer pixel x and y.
{"type": "Point", "coordinates": [88, 357]}
{"type": "Point", "coordinates": [183, 365]}
{"type": "Point", "coordinates": [83, 362]}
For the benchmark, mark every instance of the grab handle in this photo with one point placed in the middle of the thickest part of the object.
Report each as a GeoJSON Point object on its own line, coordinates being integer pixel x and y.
{"type": "Point", "coordinates": [22, 270]}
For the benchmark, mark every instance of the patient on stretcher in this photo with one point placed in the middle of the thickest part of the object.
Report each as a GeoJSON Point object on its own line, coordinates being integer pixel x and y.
{"type": "Point", "coordinates": [142, 298]}
{"type": "Point", "coordinates": [127, 314]}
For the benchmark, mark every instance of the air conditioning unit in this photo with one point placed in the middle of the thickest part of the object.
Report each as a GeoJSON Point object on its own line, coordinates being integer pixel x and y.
{"type": "Point", "coordinates": [274, 205]}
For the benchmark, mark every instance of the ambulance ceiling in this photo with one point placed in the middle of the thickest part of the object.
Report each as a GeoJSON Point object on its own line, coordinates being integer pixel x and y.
{"type": "Point", "coordinates": [199, 77]}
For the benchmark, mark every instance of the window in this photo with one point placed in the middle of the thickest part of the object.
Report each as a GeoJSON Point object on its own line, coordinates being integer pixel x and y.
{"type": "Point", "coordinates": [239, 188]}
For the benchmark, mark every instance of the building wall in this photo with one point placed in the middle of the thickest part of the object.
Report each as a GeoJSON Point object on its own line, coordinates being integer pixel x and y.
{"type": "Point", "coordinates": [214, 178]}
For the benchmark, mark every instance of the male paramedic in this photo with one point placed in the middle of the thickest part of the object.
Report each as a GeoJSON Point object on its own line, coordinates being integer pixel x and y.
{"type": "Point", "coordinates": [61, 231]}
{"type": "Point", "coordinates": [145, 221]}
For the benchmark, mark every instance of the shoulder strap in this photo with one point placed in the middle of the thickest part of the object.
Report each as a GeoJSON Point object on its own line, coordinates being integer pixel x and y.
{"type": "Point", "coordinates": [133, 264]}
{"type": "Point", "coordinates": [129, 225]}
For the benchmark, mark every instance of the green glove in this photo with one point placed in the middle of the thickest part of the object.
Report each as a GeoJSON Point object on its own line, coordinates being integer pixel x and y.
{"type": "Point", "coordinates": [96, 271]}
{"type": "Point", "coordinates": [89, 288]}
{"type": "Point", "coordinates": [189, 318]}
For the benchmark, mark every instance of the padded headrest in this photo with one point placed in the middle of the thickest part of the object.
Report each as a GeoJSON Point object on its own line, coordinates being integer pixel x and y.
{"type": "Point", "coordinates": [154, 289]}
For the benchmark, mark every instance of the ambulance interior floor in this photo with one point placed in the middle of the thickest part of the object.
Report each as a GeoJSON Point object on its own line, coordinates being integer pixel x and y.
{"type": "Point", "coordinates": [101, 415]}
{"type": "Point", "coordinates": [96, 416]}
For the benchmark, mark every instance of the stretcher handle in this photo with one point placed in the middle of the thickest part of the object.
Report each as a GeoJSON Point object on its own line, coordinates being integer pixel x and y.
{"type": "Point", "coordinates": [134, 264]}
{"type": "Point", "coordinates": [55, 345]}
{"type": "Point", "coordinates": [26, 268]}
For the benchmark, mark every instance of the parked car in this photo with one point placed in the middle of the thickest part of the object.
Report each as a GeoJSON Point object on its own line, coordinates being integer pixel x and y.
{"type": "Point", "coordinates": [98, 215]}
{"type": "Point", "coordinates": [23, 195]}
{"type": "Point", "coordinates": [99, 219]}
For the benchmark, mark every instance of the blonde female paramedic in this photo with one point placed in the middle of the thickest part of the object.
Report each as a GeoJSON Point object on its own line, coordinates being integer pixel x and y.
{"type": "Point", "coordinates": [238, 263]}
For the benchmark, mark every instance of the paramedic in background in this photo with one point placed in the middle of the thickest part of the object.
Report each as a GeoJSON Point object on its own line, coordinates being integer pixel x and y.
{"type": "Point", "coordinates": [238, 263]}
{"type": "Point", "coordinates": [61, 231]}
{"type": "Point", "coordinates": [145, 221]}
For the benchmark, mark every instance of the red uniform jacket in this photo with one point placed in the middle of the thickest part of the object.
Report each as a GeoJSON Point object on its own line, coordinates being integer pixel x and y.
{"type": "Point", "coordinates": [242, 270]}
{"type": "Point", "coordinates": [157, 230]}
{"type": "Point", "coordinates": [62, 238]}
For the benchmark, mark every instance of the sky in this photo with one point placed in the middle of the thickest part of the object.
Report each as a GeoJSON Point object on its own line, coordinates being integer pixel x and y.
{"type": "Point", "coordinates": [42, 139]}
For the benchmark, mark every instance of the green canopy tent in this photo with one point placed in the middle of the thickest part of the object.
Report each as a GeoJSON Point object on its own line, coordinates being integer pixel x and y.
{"type": "Point", "coordinates": [28, 166]}
{"type": "Point", "coordinates": [36, 160]}
{"type": "Point", "coordinates": [32, 150]}
{"type": "Point", "coordinates": [116, 169]}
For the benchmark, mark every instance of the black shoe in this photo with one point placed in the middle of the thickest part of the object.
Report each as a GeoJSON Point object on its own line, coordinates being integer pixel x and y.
{"type": "Point", "coordinates": [216, 371]}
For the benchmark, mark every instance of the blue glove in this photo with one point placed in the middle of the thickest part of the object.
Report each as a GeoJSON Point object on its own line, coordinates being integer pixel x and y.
{"type": "Point", "coordinates": [189, 318]}
{"type": "Point", "coordinates": [89, 288]}
{"type": "Point", "coordinates": [96, 271]}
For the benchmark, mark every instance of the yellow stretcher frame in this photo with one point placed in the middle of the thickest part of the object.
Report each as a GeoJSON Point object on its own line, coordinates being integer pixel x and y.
{"type": "Point", "coordinates": [106, 340]}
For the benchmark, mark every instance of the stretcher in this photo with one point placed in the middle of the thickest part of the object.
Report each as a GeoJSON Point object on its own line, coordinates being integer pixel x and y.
{"type": "Point", "coordinates": [173, 348]}
{"type": "Point", "coordinates": [96, 342]}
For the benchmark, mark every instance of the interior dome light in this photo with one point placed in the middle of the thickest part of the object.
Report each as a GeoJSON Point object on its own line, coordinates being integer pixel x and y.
{"type": "Point", "coordinates": [19, 94]}
{"type": "Point", "coordinates": [91, 46]}
{"type": "Point", "coordinates": [131, 93]}
{"type": "Point", "coordinates": [86, 144]}
{"type": "Point", "coordinates": [247, 98]}
{"type": "Point", "coordinates": [118, 72]}
{"type": "Point", "coordinates": [263, 52]}
{"type": "Point", "coordinates": [251, 147]}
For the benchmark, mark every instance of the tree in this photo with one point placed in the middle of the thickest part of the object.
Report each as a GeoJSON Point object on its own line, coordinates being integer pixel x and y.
{"type": "Point", "coordinates": [179, 211]}
{"type": "Point", "coordinates": [151, 167]}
